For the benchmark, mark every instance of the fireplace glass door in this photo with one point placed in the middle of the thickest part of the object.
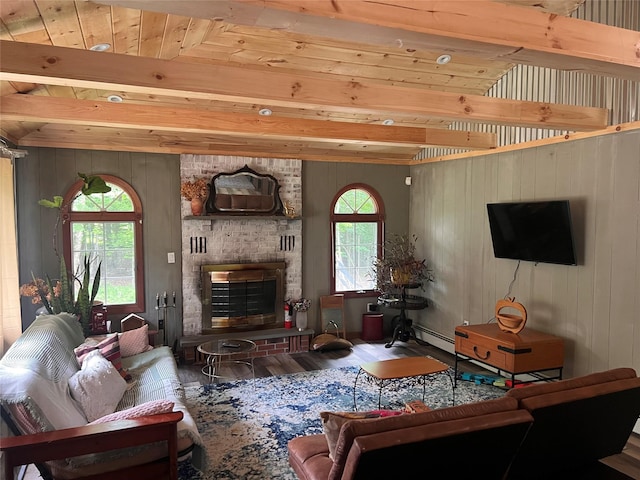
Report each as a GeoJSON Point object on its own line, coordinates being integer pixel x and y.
{"type": "Point", "coordinates": [241, 296]}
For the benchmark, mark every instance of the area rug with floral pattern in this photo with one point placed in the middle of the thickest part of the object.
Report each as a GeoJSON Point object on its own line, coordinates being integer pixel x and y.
{"type": "Point", "coordinates": [246, 424]}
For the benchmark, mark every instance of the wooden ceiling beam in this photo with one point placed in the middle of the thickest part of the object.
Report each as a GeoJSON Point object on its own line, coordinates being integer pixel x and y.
{"type": "Point", "coordinates": [486, 29]}
{"type": "Point", "coordinates": [99, 113]}
{"type": "Point", "coordinates": [73, 67]}
{"type": "Point", "coordinates": [112, 139]}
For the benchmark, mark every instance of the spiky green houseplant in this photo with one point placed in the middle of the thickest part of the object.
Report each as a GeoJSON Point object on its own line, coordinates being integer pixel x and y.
{"type": "Point", "coordinates": [59, 297]}
{"type": "Point", "coordinates": [61, 300]}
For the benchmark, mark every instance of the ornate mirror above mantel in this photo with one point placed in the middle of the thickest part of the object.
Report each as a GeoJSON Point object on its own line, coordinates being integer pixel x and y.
{"type": "Point", "coordinates": [244, 192]}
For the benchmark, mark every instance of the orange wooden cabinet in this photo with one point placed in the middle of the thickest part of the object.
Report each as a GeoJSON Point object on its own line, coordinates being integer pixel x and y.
{"type": "Point", "coordinates": [529, 351]}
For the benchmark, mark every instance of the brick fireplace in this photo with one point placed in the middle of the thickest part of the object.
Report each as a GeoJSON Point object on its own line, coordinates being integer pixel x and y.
{"type": "Point", "coordinates": [237, 239]}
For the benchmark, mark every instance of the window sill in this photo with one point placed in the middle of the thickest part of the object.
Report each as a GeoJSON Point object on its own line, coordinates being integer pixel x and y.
{"type": "Point", "coordinates": [366, 294]}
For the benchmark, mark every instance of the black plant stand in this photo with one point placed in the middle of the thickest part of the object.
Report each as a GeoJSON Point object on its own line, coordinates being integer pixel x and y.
{"type": "Point", "coordinates": [402, 301]}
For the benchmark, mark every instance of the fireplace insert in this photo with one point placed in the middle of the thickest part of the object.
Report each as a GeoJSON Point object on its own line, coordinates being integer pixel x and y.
{"type": "Point", "coordinates": [242, 296]}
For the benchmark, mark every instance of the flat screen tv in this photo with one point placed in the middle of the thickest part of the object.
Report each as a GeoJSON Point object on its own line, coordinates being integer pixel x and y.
{"type": "Point", "coordinates": [532, 231]}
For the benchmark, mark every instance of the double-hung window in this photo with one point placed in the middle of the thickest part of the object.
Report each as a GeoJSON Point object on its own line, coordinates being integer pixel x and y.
{"type": "Point", "coordinates": [107, 228]}
{"type": "Point", "coordinates": [357, 224]}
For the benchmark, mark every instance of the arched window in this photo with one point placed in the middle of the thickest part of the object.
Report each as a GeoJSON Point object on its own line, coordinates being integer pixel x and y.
{"type": "Point", "coordinates": [357, 225]}
{"type": "Point", "coordinates": [107, 228]}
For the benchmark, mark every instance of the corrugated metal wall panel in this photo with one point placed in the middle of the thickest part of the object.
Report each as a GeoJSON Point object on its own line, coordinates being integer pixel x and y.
{"type": "Point", "coordinates": [525, 82]}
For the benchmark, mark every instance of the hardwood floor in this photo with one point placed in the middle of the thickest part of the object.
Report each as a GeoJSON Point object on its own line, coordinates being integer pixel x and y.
{"type": "Point", "coordinates": [299, 362]}
{"type": "Point", "coordinates": [628, 462]}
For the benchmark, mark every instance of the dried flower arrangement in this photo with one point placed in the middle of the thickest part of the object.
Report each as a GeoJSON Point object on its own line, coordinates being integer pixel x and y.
{"type": "Point", "coordinates": [398, 265]}
{"type": "Point", "coordinates": [38, 287]}
{"type": "Point", "coordinates": [301, 305]}
{"type": "Point", "coordinates": [199, 189]}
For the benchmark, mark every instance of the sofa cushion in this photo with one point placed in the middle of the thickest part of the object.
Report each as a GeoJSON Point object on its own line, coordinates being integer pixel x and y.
{"type": "Point", "coordinates": [98, 386]}
{"type": "Point", "coordinates": [109, 347]}
{"type": "Point", "coordinates": [353, 429]}
{"type": "Point", "coordinates": [156, 376]}
{"type": "Point", "coordinates": [133, 342]}
{"type": "Point", "coordinates": [309, 457]}
{"type": "Point", "coordinates": [578, 382]}
{"type": "Point", "coordinates": [332, 423]}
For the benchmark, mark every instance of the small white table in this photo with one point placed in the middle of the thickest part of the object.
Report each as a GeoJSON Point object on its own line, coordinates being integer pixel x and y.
{"type": "Point", "coordinates": [224, 353]}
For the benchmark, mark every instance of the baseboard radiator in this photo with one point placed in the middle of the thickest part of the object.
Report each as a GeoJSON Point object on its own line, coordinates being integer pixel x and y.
{"type": "Point", "coordinates": [436, 339]}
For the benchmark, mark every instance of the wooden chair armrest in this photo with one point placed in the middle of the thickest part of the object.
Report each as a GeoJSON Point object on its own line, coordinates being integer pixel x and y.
{"type": "Point", "coordinates": [72, 442]}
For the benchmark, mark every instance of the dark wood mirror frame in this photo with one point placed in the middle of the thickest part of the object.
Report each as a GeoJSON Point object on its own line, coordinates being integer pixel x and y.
{"type": "Point", "coordinates": [244, 192]}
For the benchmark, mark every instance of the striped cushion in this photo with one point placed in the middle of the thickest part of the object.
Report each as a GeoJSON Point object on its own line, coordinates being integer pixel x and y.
{"type": "Point", "coordinates": [109, 348]}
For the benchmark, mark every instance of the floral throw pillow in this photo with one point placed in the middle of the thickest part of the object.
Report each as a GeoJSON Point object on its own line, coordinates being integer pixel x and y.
{"type": "Point", "coordinates": [133, 342]}
{"type": "Point", "coordinates": [153, 407]}
{"type": "Point", "coordinates": [97, 386]}
{"type": "Point", "coordinates": [109, 348]}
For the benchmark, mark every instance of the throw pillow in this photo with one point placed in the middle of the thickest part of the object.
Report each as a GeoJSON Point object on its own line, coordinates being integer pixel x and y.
{"type": "Point", "coordinates": [97, 386]}
{"type": "Point", "coordinates": [134, 341]}
{"type": "Point", "coordinates": [109, 348]}
{"type": "Point", "coordinates": [332, 423]}
{"type": "Point", "coordinates": [153, 407]}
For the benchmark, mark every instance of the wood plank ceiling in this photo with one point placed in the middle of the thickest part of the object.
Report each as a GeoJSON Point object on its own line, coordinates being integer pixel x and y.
{"type": "Point", "coordinates": [194, 75]}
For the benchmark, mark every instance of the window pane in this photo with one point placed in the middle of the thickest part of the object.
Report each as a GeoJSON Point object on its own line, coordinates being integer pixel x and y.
{"type": "Point", "coordinates": [117, 200]}
{"type": "Point", "coordinates": [355, 201]}
{"type": "Point", "coordinates": [364, 202]}
{"type": "Point", "coordinates": [113, 243]}
{"type": "Point", "coordinates": [114, 201]}
{"type": "Point", "coordinates": [354, 255]}
{"type": "Point", "coordinates": [343, 205]}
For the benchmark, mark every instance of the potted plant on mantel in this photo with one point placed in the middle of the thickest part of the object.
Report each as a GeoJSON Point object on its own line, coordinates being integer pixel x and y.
{"type": "Point", "coordinates": [57, 296]}
{"type": "Point", "coordinates": [196, 192]}
{"type": "Point", "coordinates": [398, 265]}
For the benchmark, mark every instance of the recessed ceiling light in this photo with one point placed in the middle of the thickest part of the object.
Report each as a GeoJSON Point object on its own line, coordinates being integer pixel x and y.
{"type": "Point", "coordinates": [115, 99]}
{"type": "Point", "coordinates": [265, 112]}
{"type": "Point", "coordinates": [443, 59]}
{"type": "Point", "coordinates": [100, 47]}
{"type": "Point", "coordinates": [388, 121]}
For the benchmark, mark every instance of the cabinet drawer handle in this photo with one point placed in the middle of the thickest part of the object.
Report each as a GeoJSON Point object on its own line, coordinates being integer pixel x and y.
{"type": "Point", "coordinates": [475, 350]}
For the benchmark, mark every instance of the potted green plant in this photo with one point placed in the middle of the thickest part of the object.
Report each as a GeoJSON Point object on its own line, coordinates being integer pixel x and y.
{"type": "Point", "coordinates": [58, 295]}
{"type": "Point", "coordinates": [399, 266]}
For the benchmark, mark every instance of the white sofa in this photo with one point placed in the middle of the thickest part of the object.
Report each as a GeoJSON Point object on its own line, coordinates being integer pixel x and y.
{"type": "Point", "coordinates": [35, 397]}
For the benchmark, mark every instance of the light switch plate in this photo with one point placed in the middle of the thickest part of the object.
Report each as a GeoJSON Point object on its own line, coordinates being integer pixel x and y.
{"type": "Point", "coordinates": [171, 257]}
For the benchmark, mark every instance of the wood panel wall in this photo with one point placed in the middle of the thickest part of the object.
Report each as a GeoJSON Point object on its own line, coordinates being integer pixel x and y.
{"type": "Point", "coordinates": [46, 172]}
{"type": "Point", "coordinates": [320, 183]}
{"type": "Point", "coordinates": [593, 305]}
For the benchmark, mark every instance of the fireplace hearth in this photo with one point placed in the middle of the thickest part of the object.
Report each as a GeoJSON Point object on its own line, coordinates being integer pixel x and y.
{"type": "Point", "coordinates": [242, 297]}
